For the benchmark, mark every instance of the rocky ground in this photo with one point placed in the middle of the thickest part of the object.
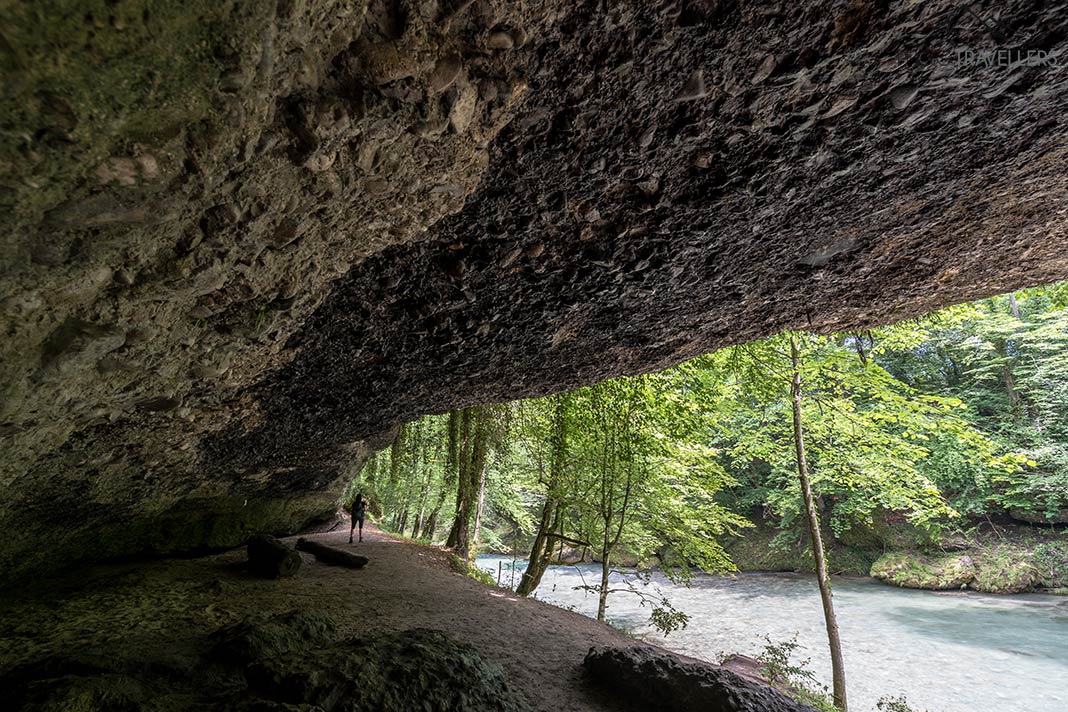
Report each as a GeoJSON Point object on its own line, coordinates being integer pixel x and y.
{"type": "Point", "coordinates": [176, 634]}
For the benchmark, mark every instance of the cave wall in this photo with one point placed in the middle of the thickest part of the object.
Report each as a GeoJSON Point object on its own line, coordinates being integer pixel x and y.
{"type": "Point", "coordinates": [242, 240]}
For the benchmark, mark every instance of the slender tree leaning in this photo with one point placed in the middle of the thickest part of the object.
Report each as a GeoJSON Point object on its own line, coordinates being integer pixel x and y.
{"type": "Point", "coordinates": [824, 581]}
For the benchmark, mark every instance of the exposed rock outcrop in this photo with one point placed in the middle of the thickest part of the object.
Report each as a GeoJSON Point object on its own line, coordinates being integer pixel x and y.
{"type": "Point", "coordinates": [1059, 516]}
{"type": "Point", "coordinates": [663, 681]}
{"type": "Point", "coordinates": [937, 572]}
{"type": "Point", "coordinates": [241, 241]}
{"type": "Point", "coordinates": [289, 661]}
{"type": "Point", "coordinates": [412, 670]}
{"type": "Point", "coordinates": [1006, 572]}
{"type": "Point", "coordinates": [998, 569]}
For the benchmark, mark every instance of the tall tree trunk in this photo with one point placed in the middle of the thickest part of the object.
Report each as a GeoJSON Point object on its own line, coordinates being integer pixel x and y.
{"type": "Point", "coordinates": [602, 595]}
{"type": "Point", "coordinates": [824, 581]}
{"type": "Point", "coordinates": [541, 550]}
{"type": "Point", "coordinates": [1001, 348]}
{"type": "Point", "coordinates": [1016, 399]}
{"type": "Point", "coordinates": [475, 461]}
{"type": "Point", "coordinates": [478, 511]}
{"type": "Point", "coordinates": [474, 443]}
{"type": "Point", "coordinates": [370, 486]}
{"type": "Point", "coordinates": [424, 489]}
{"type": "Point", "coordinates": [536, 564]}
{"type": "Point", "coordinates": [417, 527]}
{"type": "Point", "coordinates": [416, 445]}
{"type": "Point", "coordinates": [463, 462]}
{"type": "Point", "coordinates": [610, 542]}
{"type": "Point", "coordinates": [396, 459]}
{"type": "Point", "coordinates": [449, 480]}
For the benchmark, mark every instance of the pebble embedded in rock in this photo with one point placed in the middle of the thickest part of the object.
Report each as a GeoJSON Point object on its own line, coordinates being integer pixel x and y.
{"type": "Point", "coordinates": [646, 139]}
{"type": "Point", "coordinates": [902, 96]}
{"type": "Point", "coordinates": [321, 161]}
{"type": "Point", "coordinates": [765, 70]}
{"type": "Point", "coordinates": [462, 112]}
{"type": "Point", "coordinates": [159, 404]}
{"type": "Point", "coordinates": [445, 73]}
{"type": "Point", "coordinates": [694, 88]}
{"type": "Point", "coordinates": [148, 166]}
{"type": "Point", "coordinates": [840, 106]}
{"type": "Point", "coordinates": [120, 170]}
{"type": "Point", "coordinates": [500, 40]}
{"type": "Point", "coordinates": [376, 186]}
{"type": "Point", "coordinates": [511, 256]}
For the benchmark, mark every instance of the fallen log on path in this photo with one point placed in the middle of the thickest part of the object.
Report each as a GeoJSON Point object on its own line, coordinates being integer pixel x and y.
{"type": "Point", "coordinates": [330, 555]}
{"type": "Point", "coordinates": [270, 558]}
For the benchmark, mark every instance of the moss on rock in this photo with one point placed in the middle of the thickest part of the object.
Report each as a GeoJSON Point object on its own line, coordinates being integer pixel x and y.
{"type": "Point", "coordinates": [913, 570]}
{"type": "Point", "coordinates": [1051, 559]}
{"type": "Point", "coordinates": [468, 569]}
{"type": "Point", "coordinates": [763, 548]}
{"type": "Point", "coordinates": [1008, 570]}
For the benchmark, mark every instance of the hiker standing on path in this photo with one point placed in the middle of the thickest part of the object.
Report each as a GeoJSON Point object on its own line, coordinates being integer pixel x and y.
{"type": "Point", "coordinates": [359, 509]}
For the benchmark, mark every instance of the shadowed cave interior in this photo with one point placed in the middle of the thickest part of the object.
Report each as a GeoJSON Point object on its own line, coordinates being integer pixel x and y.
{"type": "Point", "coordinates": [243, 242]}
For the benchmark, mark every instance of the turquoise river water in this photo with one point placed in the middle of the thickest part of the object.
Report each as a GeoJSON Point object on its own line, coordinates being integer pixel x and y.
{"type": "Point", "coordinates": [946, 652]}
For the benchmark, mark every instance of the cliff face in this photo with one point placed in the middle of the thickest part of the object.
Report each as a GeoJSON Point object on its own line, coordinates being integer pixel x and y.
{"type": "Point", "coordinates": [242, 240]}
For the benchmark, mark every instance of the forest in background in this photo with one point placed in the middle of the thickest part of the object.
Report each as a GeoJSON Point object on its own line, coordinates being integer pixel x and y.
{"type": "Point", "coordinates": [931, 437]}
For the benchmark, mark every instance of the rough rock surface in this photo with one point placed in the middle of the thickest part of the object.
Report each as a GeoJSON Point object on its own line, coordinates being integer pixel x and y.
{"type": "Point", "coordinates": [1006, 574]}
{"type": "Point", "coordinates": [288, 661]}
{"type": "Point", "coordinates": [242, 240]}
{"type": "Point", "coordinates": [666, 683]}
{"type": "Point", "coordinates": [272, 636]}
{"type": "Point", "coordinates": [1059, 516]}
{"type": "Point", "coordinates": [413, 670]}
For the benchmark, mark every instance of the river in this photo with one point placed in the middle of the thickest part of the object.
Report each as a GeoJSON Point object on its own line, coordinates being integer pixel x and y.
{"type": "Point", "coordinates": [946, 652]}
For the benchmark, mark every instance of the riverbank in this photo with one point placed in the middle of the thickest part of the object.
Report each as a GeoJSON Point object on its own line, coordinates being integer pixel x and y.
{"type": "Point", "coordinates": [992, 558]}
{"type": "Point", "coordinates": [143, 632]}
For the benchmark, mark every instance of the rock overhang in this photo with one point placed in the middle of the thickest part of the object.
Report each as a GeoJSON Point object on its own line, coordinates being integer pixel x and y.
{"type": "Point", "coordinates": [376, 214]}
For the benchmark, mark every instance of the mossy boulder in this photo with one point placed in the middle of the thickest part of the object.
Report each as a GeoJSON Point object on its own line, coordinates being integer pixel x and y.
{"type": "Point", "coordinates": [76, 693]}
{"type": "Point", "coordinates": [1051, 559]}
{"type": "Point", "coordinates": [764, 547]}
{"type": "Point", "coordinates": [1005, 571]}
{"type": "Point", "coordinates": [1035, 516]}
{"type": "Point", "coordinates": [418, 669]}
{"type": "Point", "coordinates": [272, 636]}
{"type": "Point", "coordinates": [941, 572]}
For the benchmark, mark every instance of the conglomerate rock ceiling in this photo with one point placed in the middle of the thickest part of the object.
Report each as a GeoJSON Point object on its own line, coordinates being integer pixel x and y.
{"type": "Point", "coordinates": [243, 240]}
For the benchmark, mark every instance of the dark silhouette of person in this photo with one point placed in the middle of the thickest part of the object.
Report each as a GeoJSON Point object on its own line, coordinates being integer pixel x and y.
{"type": "Point", "coordinates": [359, 510]}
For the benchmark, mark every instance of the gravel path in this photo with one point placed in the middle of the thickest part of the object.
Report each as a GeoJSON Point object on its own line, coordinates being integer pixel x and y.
{"type": "Point", "coordinates": [540, 646]}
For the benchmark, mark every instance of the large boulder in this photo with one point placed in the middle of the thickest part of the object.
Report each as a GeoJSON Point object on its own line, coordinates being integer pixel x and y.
{"type": "Point", "coordinates": [418, 669]}
{"type": "Point", "coordinates": [666, 682]}
{"type": "Point", "coordinates": [1007, 570]}
{"type": "Point", "coordinates": [1031, 516]}
{"type": "Point", "coordinates": [290, 662]}
{"type": "Point", "coordinates": [274, 636]}
{"type": "Point", "coordinates": [939, 572]}
{"type": "Point", "coordinates": [78, 690]}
